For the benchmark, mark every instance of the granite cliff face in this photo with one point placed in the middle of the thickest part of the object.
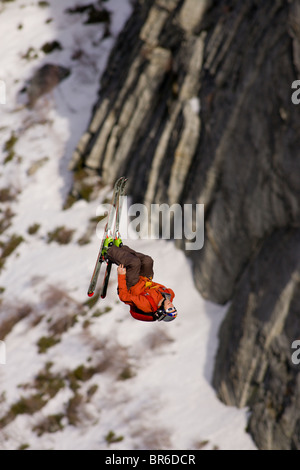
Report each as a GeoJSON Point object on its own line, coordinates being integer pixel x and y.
{"type": "Point", "coordinates": [195, 107]}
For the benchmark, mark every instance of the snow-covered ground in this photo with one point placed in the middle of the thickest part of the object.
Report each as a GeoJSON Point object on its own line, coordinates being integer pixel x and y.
{"type": "Point", "coordinates": [108, 381]}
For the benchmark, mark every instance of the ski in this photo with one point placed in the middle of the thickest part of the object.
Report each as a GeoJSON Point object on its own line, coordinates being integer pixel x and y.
{"type": "Point", "coordinates": [105, 280]}
{"type": "Point", "coordinates": [119, 204]}
{"type": "Point", "coordinates": [107, 229]}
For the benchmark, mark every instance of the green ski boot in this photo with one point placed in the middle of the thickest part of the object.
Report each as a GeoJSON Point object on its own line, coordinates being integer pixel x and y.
{"type": "Point", "coordinates": [117, 241]}
{"type": "Point", "coordinates": [108, 242]}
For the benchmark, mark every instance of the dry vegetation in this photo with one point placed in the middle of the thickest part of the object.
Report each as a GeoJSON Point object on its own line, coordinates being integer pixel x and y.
{"type": "Point", "coordinates": [55, 316]}
{"type": "Point", "coordinates": [61, 235]}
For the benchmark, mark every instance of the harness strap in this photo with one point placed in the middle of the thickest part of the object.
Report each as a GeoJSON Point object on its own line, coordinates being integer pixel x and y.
{"type": "Point", "coordinates": [151, 300]}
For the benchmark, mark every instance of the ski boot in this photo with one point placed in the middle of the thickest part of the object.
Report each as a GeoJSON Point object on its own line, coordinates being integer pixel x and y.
{"type": "Point", "coordinates": [118, 241]}
{"type": "Point", "coordinates": [108, 242]}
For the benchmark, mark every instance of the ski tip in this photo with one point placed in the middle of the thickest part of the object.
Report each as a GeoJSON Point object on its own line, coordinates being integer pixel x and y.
{"type": "Point", "coordinates": [90, 294]}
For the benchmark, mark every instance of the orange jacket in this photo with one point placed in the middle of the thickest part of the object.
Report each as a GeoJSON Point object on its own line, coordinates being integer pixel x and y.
{"type": "Point", "coordinates": [136, 298]}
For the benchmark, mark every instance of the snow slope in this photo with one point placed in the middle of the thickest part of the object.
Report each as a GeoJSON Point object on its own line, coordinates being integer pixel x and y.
{"type": "Point", "coordinates": [108, 381]}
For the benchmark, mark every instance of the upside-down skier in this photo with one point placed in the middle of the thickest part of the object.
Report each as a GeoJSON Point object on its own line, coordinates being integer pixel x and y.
{"type": "Point", "coordinates": [148, 300]}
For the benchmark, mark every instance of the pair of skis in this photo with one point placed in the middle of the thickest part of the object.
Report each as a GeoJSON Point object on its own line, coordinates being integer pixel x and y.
{"type": "Point", "coordinates": [111, 229]}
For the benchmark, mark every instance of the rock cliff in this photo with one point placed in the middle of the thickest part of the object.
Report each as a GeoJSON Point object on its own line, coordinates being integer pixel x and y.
{"type": "Point", "coordinates": [195, 107]}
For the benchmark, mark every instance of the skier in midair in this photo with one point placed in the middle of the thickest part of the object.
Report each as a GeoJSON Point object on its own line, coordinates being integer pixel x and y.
{"type": "Point", "coordinates": [148, 300]}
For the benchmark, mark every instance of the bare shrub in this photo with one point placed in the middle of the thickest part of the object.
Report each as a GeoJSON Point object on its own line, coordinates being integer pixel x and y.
{"type": "Point", "coordinates": [157, 339]}
{"type": "Point", "coordinates": [8, 247]}
{"type": "Point", "coordinates": [152, 439]}
{"type": "Point", "coordinates": [25, 405]}
{"type": "Point", "coordinates": [108, 356]}
{"type": "Point", "coordinates": [63, 324]}
{"type": "Point", "coordinates": [200, 444]}
{"type": "Point", "coordinates": [12, 317]}
{"type": "Point", "coordinates": [5, 220]}
{"type": "Point", "coordinates": [126, 373]}
{"type": "Point", "coordinates": [73, 409]}
{"type": "Point", "coordinates": [50, 424]}
{"type": "Point", "coordinates": [46, 342]}
{"type": "Point", "coordinates": [45, 383]}
{"type": "Point", "coordinates": [53, 296]}
{"type": "Point", "coordinates": [61, 235]}
{"type": "Point", "coordinates": [112, 438]}
{"type": "Point", "coordinates": [63, 311]}
{"type": "Point", "coordinates": [111, 356]}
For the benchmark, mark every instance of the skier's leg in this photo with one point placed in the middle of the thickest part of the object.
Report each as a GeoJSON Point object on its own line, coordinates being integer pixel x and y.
{"type": "Point", "coordinates": [120, 255]}
{"type": "Point", "coordinates": [146, 266]}
{"type": "Point", "coordinates": [146, 262]}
